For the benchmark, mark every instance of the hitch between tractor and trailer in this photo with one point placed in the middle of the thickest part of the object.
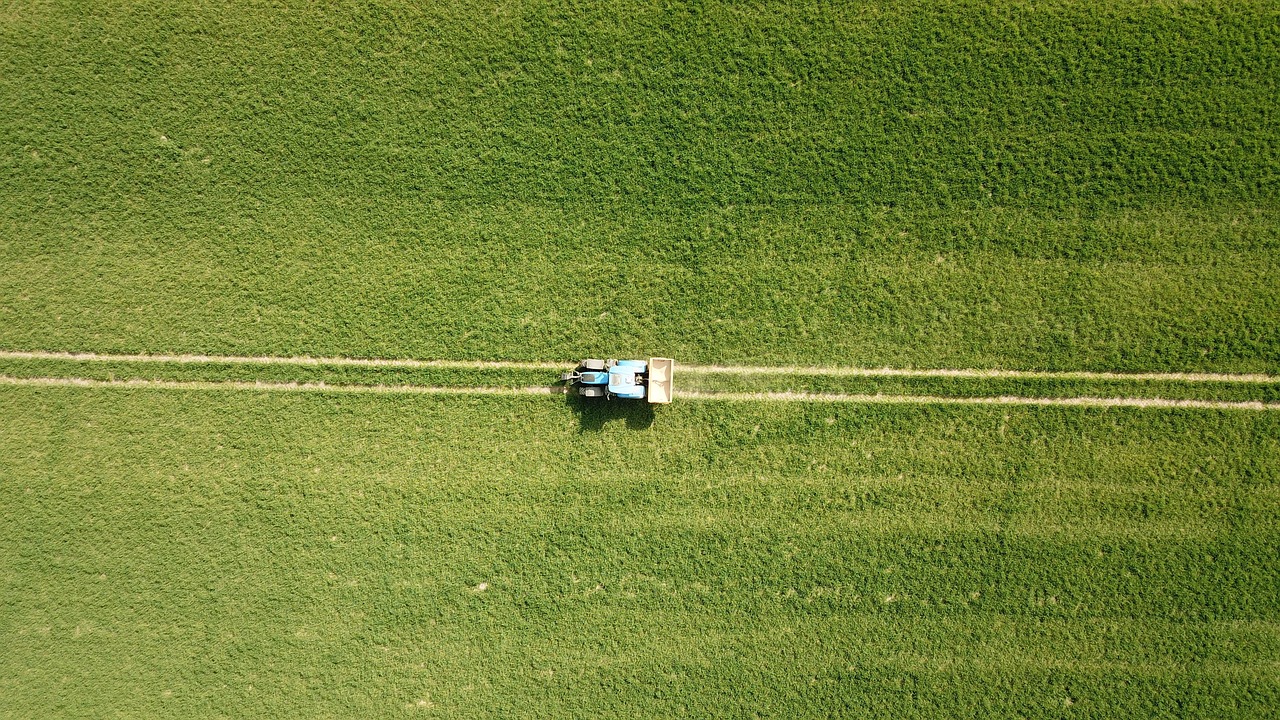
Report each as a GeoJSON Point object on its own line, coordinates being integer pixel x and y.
{"type": "Point", "coordinates": [623, 379]}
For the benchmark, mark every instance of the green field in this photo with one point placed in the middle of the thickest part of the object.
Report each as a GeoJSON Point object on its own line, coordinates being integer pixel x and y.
{"type": "Point", "coordinates": [230, 554]}
{"type": "Point", "coordinates": [1058, 185]}
{"type": "Point", "coordinates": [1034, 186]}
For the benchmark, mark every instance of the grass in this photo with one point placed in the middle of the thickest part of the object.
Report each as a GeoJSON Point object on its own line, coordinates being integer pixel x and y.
{"type": "Point", "coordinates": [1051, 186]}
{"type": "Point", "coordinates": [209, 554]}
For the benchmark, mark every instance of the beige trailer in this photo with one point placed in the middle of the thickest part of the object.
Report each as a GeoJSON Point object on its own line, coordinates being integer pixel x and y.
{"type": "Point", "coordinates": [660, 384]}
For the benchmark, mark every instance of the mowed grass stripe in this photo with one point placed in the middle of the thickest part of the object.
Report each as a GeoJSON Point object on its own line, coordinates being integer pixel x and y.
{"type": "Point", "coordinates": [835, 371]}
{"type": "Point", "coordinates": [1117, 402]}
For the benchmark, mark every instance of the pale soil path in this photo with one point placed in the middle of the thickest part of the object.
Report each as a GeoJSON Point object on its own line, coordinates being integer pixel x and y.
{"type": "Point", "coordinates": [881, 399]}
{"type": "Point", "coordinates": [284, 360]}
{"type": "Point", "coordinates": [278, 386]}
{"type": "Point", "coordinates": [978, 374]}
{"type": "Point", "coordinates": [1102, 402]}
{"type": "Point", "coordinates": [840, 371]}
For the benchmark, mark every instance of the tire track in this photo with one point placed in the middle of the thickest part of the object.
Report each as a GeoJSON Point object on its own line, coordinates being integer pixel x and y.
{"type": "Point", "coordinates": [831, 371]}
{"type": "Point", "coordinates": [301, 360]}
{"type": "Point", "coordinates": [979, 374]}
{"type": "Point", "coordinates": [239, 385]}
{"type": "Point", "coordinates": [881, 399]}
{"type": "Point", "coordinates": [276, 386]}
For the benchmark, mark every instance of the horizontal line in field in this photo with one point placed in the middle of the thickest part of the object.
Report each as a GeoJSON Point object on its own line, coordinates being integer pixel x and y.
{"type": "Point", "coordinates": [1117, 402]}
{"type": "Point", "coordinates": [991, 400]}
{"type": "Point", "coordinates": [279, 386]}
{"type": "Point", "coordinates": [284, 360]}
{"type": "Point", "coordinates": [833, 371]}
{"type": "Point", "coordinates": [980, 374]}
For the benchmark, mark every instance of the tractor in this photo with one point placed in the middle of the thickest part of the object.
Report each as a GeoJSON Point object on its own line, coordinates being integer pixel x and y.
{"type": "Point", "coordinates": [623, 379]}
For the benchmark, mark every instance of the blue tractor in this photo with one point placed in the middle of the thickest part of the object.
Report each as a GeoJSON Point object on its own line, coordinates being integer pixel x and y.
{"type": "Point", "coordinates": [623, 379]}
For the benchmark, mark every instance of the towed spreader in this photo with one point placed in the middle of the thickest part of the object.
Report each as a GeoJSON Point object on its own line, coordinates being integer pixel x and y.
{"type": "Point", "coordinates": [625, 379]}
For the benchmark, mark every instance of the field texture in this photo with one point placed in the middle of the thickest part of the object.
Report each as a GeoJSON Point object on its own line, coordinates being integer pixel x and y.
{"type": "Point", "coordinates": [1066, 189]}
{"type": "Point", "coordinates": [1057, 185]}
{"type": "Point", "coordinates": [235, 554]}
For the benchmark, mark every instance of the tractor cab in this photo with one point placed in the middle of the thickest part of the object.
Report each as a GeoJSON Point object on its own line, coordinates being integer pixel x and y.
{"type": "Point", "coordinates": [627, 379]}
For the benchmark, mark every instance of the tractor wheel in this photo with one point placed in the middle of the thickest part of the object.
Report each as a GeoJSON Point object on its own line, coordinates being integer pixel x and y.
{"type": "Point", "coordinates": [591, 364]}
{"type": "Point", "coordinates": [591, 391]}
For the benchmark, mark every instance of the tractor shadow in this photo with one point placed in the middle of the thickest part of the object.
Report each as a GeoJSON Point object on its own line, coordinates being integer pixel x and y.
{"type": "Point", "coordinates": [595, 413]}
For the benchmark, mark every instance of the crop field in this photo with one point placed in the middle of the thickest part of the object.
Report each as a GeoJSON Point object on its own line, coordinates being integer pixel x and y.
{"type": "Point", "coordinates": [976, 308]}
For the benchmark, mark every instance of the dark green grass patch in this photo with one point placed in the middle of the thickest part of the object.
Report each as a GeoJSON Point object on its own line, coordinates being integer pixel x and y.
{"type": "Point", "coordinates": [209, 553]}
{"type": "Point", "coordinates": [923, 104]}
{"type": "Point", "coordinates": [1053, 185]}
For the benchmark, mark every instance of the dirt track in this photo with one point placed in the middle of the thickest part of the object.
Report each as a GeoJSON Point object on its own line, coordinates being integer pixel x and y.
{"type": "Point", "coordinates": [841, 371]}
{"type": "Point", "coordinates": [687, 395]}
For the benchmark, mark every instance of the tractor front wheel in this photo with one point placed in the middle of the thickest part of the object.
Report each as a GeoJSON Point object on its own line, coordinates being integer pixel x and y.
{"type": "Point", "coordinates": [591, 364]}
